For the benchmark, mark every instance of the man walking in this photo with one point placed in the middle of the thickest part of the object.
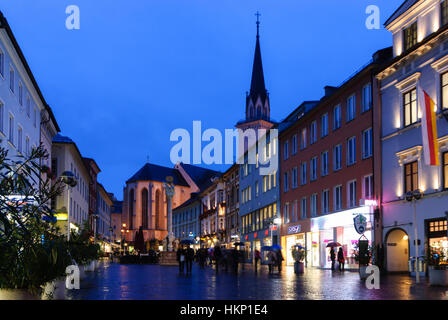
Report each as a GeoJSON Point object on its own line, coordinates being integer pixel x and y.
{"type": "Point", "coordinates": [332, 257]}
{"type": "Point", "coordinates": [180, 255]}
{"type": "Point", "coordinates": [218, 255]}
{"type": "Point", "coordinates": [257, 257]}
{"type": "Point", "coordinates": [189, 258]}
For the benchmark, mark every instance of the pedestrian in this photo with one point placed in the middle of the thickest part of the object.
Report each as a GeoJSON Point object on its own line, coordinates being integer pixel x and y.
{"type": "Point", "coordinates": [332, 257]}
{"type": "Point", "coordinates": [257, 257]}
{"type": "Point", "coordinates": [279, 259]}
{"type": "Point", "coordinates": [218, 255]}
{"type": "Point", "coordinates": [189, 258]}
{"type": "Point", "coordinates": [235, 260]}
{"type": "Point", "coordinates": [202, 257]}
{"type": "Point", "coordinates": [271, 261]}
{"type": "Point", "coordinates": [341, 259]}
{"type": "Point", "coordinates": [180, 255]}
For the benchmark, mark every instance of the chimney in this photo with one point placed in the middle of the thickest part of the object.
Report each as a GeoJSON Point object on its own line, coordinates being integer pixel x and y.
{"type": "Point", "coordinates": [329, 90]}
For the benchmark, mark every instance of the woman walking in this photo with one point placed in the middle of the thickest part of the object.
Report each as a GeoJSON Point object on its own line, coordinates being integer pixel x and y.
{"type": "Point", "coordinates": [341, 259]}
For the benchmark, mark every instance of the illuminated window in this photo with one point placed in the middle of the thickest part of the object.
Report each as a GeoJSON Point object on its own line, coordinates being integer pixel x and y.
{"type": "Point", "coordinates": [411, 176]}
{"type": "Point", "coordinates": [444, 85]}
{"type": "Point", "coordinates": [444, 12]}
{"type": "Point", "coordinates": [410, 107]}
{"type": "Point", "coordinates": [445, 169]}
{"type": "Point", "coordinates": [410, 36]}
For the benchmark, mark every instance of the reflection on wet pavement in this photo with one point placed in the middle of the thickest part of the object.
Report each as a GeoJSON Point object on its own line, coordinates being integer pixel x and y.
{"type": "Point", "coordinates": [114, 281]}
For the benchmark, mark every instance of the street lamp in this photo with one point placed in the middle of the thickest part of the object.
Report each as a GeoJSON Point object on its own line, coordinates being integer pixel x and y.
{"type": "Point", "coordinates": [413, 197]}
{"type": "Point", "coordinates": [70, 180]}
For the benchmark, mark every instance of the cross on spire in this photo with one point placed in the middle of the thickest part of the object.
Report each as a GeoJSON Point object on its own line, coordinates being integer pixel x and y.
{"type": "Point", "coordinates": [258, 23]}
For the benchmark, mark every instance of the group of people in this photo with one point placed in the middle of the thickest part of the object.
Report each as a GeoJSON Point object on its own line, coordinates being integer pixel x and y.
{"type": "Point", "coordinates": [274, 258]}
{"type": "Point", "coordinates": [341, 259]}
{"type": "Point", "coordinates": [185, 257]}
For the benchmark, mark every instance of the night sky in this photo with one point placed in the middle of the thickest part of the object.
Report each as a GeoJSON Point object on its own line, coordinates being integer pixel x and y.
{"type": "Point", "coordinates": [137, 69]}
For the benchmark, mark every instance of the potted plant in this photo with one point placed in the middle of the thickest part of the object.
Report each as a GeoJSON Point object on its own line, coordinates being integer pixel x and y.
{"type": "Point", "coordinates": [28, 260]}
{"type": "Point", "coordinates": [438, 268]}
{"type": "Point", "coordinates": [298, 254]}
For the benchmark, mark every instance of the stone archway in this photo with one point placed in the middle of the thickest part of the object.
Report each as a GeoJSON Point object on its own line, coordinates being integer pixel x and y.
{"type": "Point", "coordinates": [397, 242]}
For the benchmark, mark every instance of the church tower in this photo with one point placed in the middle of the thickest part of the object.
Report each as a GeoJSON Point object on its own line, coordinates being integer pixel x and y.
{"type": "Point", "coordinates": [257, 99]}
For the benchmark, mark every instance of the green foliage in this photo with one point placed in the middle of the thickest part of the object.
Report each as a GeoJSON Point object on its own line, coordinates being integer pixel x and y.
{"type": "Point", "coordinates": [31, 251]}
{"type": "Point", "coordinates": [81, 248]}
{"type": "Point", "coordinates": [298, 254]}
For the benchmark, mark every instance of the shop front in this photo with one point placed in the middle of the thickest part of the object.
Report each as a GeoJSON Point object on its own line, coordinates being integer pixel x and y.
{"type": "Point", "coordinates": [297, 234]}
{"type": "Point", "coordinates": [339, 227]}
{"type": "Point", "coordinates": [437, 240]}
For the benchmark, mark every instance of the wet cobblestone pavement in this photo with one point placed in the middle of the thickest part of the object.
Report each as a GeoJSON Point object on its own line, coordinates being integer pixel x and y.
{"type": "Point", "coordinates": [112, 281]}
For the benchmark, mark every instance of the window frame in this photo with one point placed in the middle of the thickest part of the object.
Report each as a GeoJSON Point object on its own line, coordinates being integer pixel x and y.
{"type": "Point", "coordinates": [412, 29]}
{"type": "Point", "coordinates": [409, 92]}
{"type": "Point", "coordinates": [412, 173]}
{"type": "Point", "coordinates": [349, 109]}
{"type": "Point", "coordinates": [337, 117]}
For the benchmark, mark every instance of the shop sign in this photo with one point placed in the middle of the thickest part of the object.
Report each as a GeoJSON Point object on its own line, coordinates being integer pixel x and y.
{"type": "Point", "coordinates": [360, 223]}
{"type": "Point", "coordinates": [273, 228]}
{"type": "Point", "coordinates": [294, 229]}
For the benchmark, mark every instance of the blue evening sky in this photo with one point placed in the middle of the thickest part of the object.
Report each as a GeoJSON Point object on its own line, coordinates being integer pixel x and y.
{"type": "Point", "coordinates": [137, 69]}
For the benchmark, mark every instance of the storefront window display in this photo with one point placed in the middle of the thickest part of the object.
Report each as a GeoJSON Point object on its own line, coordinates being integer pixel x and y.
{"type": "Point", "coordinates": [438, 240]}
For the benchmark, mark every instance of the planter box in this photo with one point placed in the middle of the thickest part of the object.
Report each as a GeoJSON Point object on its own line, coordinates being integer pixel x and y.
{"type": "Point", "coordinates": [299, 267]}
{"type": "Point", "coordinates": [17, 294]}
{"type": "Point", "coordinates": [438, 277]}
{"type": "Point", "coordinates": [54, 290]}
{"type": "Point", "coordinates": [362, 272]}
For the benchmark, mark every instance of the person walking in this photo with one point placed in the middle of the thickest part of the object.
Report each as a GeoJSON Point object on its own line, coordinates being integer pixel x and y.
{"type": "Point", "coordinates": [202, 256]}
{"type": "Point", "coordinates": [279, 259]}
{"type": "Point", "coordinates": [235, 260]}
{"type": "Point", "coordinates": [218, 255]}
{"type": "Point", "coordinates": [332, 257]}
{"type": "Point", "coordinates": [271, 261]}
{"type": "Point", "coordinates": [341, 259]}
{"type": "Point", "coordinates": [189, 255]}
{"type": "Point", "coordinates": [180, 255]}
{"type": "Point", "coordinates": [257, 257]}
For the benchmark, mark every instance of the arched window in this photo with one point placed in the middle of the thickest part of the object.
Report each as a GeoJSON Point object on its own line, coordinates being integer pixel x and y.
{"type": "Point", "coordinates": [158, 209]}
{"type": "Point", "coordinates": [131, 209]}
{"type": "Point", "coordinates": [145, 208]}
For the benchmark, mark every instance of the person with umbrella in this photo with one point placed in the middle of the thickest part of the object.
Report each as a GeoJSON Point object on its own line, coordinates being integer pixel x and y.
{"type": "Point", "coordinates": [271, 260]}
{"type": "Point", "coordinates": [278, 257]}
{"type": "Point", "coordinates": [189, 255]}
{"type": "Point", "coordinates": [332, 253]}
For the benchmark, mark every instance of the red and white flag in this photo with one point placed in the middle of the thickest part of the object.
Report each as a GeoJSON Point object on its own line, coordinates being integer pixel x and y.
{"type": "Point", "coordinates": [429, 128]}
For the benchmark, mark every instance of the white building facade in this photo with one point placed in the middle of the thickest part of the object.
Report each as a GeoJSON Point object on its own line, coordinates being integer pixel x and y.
{"type": "Point", "coordinates": [420, 31]}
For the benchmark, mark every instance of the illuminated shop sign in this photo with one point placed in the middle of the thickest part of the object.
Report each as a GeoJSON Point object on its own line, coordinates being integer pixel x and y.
{"type": "Point", "coordinates": [294, 229]}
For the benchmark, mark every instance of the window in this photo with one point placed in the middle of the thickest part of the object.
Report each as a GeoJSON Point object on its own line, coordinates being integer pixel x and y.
{"type": "Point", "coordinates": [444, 90]}
{"type": "Point", "coordinates": [11, 79]}
{"type": "Point", "coordinates": [20, 94]}
{"type": "Point", "coordinates": [337, 157]}
{"type": "Point", "coordinates": [28, 106]}
{"type": "Point", "coordinates": [303, 139]}
{"type": "Point", "coordinates": [444, 12]}
{"type": "Point", "coordinates": [256, 188]}
{"type": "Point", "coordinates": [324, 125]}
{"type": "Point", "coordinates": [325, 201]}
{"type": "Point", "coordinates": [368, 187]}
{"type": "Point", "coordinates": [19, 139]}
{"type": "Point", "coordinates": [294, 217]}
{"type": "Point", "coordinates": [2, 63]}
{"type": "Point", "coordinates": [352, 194]}
{"type": "Point", "coordinates": [324, 163]}
{"type": "Point", "coordinates": [303, 173]}
{"type": "Point", "coordinates": [11, 129]}
{"type": "Point", "coordinates": [35, 118]}
{"type": "Point", "coordinates": [411, 176]}
{"type": "Point", "coordinates": [410, 36]}
{"type": "Point", "coordinates": [294, 144]}
{"type": "Point", "coordinates": [313, 132]}
{"type": "Point", "coordinates": [445, 169]}
{"type": "Point", "coordinates": [294, 178]}
{"type": "Point", "coordinates": [286, 213]}
{"type": "Point", "coordinates": [351, 151]}
{"type": "Point", "coordinates": [337, 117]}
{"type": "Point", "coordinates": [313, 201]}
{"type": "Point", "coordinates": [338, 198]}
{"type": "Point", "coordinates": [286, 150]}
{"type": "Point", "coordinates": [410, 107]}
{"type": "Point", "coordinates": [351, 108]}
{"type": "Point", "coordinates": [367, 143]}
{"type": "Point", "coordinates": [2, 115]}
{"type": "Point", "coordinates": [367, 97]}
{"type": "Point", "coordinates": [286, 182]}
{"type": "Point", "coordinates": [313, 169]}
{"type": "Point", "coordinates": [303, 213]}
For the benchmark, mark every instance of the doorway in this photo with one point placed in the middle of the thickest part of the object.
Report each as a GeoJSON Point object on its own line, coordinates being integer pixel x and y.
{"type": "Point", "coordinates": [397, 251]}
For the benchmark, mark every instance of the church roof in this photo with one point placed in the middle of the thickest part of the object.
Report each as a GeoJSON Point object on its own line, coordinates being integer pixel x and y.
{"type": "Point", "coordinates": [202, 177]}
{"type": "Point", "coordinates": [154, 172]}
{"type": "Point", "coordinates": [257, 85]}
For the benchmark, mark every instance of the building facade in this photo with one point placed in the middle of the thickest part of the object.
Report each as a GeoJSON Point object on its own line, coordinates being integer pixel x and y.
{"type": "Point", "coordinates": [232, 194]}
{"type": "Point", "coordinates": [103, 217]}
{"type": "Point", "coordinates": [420, 46]}
{"type": "Point", "coordinates": [186, 219]}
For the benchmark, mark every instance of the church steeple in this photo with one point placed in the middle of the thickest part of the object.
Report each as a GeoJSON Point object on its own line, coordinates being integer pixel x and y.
{"type": "Point", "coordinates": [257, 100]}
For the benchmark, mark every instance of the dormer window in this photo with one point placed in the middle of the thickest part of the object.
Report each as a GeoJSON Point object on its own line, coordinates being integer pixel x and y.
{"type": "Point", "coordinates": [410, 36]}
{"type": "Point", "coordinates": [444, 12]}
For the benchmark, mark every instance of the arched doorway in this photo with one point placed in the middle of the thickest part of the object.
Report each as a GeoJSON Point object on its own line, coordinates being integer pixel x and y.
{"type": "Point", "coordinates": [145, 208]}
{"type": "Point", "coordinates": [397, 242]}
{"type": "Point", "coordinates": [131, 209]}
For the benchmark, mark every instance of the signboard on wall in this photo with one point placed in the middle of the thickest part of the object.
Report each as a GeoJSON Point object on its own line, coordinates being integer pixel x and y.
{"type": "Point", "coordinates": [360, 223]}
{"type": "Point", "coordinates": [294, 229]}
